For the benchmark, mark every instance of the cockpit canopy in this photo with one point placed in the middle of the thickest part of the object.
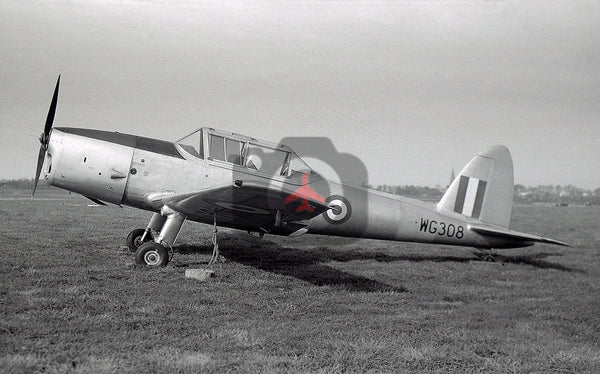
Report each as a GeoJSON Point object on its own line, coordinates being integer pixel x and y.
{"type": "Point", "coordinates": [231, 148]}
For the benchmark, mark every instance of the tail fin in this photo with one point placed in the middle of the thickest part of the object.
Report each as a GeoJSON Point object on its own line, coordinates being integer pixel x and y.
{"type": "Point", "coordinates": [484, 188]}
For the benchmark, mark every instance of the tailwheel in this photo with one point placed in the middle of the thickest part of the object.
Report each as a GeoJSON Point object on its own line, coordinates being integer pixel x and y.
{"type": "Point", "coordinates": [486, 255]}
{"type": "Point", "coordinates": [134, 239]}
{"type": "Point", "coordinates": [489, 258]}
{"type": "Point", "coordinates": [152, 254]}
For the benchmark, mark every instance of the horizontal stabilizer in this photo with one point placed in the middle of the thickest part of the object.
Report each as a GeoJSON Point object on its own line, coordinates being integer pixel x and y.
{"type": "Point", "coordinates": [514, 235]}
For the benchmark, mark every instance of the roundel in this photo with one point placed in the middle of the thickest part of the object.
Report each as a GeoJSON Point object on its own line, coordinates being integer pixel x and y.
{"type": "Point", "coordinates": [340, 210]}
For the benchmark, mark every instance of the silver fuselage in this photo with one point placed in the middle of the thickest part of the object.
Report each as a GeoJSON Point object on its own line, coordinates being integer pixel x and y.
{"type": "Point", "coordinates": [128, 170]}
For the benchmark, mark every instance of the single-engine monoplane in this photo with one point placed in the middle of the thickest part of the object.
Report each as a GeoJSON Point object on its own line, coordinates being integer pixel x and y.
{"type": "Point", "coordinates": [231, 180]}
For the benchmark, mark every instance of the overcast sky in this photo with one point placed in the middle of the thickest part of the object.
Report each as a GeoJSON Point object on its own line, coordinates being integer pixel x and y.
{"type": "Point", "coordinates": [412, 88]}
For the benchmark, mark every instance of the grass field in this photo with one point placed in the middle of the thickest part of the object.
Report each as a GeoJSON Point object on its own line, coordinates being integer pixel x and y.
{"type": "Point", "coordinates": [72, 301]}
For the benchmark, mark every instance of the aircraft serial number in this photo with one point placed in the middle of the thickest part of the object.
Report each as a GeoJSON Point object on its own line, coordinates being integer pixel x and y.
{"type": "Point", "coordinates": [441, 228]}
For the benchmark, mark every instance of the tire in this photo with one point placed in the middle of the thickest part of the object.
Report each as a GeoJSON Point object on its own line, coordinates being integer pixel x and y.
{"type": "Point", "coordinates": [152, 254]}
{"type": "Point", "coordinates": [134, 239]}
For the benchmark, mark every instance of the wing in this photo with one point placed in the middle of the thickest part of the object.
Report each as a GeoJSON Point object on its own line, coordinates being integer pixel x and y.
{"type": "Point", "coordinates": [514, 235]}
{"type": "Point", "coordinates": [253, 205]}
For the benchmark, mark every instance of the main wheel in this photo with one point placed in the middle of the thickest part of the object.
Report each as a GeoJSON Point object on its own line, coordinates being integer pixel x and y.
{"type": "Point", "coordinates": [151, 254]}
{"type": "Point", "coordinates": [134, 239]}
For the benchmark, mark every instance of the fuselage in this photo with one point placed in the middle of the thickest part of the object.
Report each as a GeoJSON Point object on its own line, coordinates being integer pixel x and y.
{"type": "Point", "coordinates": [128, 170]}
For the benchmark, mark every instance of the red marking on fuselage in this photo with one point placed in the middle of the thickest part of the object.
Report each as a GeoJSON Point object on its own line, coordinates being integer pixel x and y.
{"type": "Point", "coordinates": [305, 193]}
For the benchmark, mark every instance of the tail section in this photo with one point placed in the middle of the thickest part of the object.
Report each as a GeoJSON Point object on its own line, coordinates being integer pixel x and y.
{"type": "Point", "coordinates": [484, 191]}
{"type": "Point", "coordinates": [484, 188]}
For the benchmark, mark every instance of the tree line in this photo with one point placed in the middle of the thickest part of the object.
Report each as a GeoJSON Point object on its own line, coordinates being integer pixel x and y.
{"type": "Point", "coordinates": [522, 194]}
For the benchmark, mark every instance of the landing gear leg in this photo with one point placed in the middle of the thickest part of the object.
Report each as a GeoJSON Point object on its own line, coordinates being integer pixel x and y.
{"type": "Point", "coordinates": [156, 224]}
{"type": "Point", "coordinates": [170, 230]}
{"type": "Point", "coordinates": [155, 253]}
{"type": "Point", "coordinates": [138, 237]}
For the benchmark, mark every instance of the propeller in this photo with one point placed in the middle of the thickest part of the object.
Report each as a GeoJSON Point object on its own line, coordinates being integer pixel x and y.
{"type": "Point", "coordinates": [45, 137]}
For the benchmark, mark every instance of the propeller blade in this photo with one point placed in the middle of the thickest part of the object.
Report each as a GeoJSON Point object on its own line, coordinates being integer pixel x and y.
{"type": "Point", "coordinates": [51, 111]}
{"type": "Point", "coordinates": [38, 171]}
{"type": "Point", "coordinates": [46, 136]}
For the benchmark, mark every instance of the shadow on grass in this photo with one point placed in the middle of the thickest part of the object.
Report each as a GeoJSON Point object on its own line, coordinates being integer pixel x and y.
{"type": "Point", "coordinates": [535, 259]}
{"type": "Point", "coordinates": [305, 264]}
{"type": "Point", "coordinates": [310, 264]}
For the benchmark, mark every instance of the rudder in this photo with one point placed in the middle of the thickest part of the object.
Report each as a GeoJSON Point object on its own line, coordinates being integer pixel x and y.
{"type": "Point", "coordinates": [483, 190]}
